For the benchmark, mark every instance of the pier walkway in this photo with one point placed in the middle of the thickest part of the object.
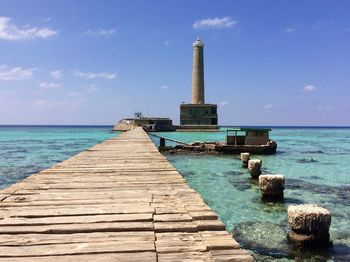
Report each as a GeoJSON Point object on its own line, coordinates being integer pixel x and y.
{"type": "Point", "coordinates": [120, 200]}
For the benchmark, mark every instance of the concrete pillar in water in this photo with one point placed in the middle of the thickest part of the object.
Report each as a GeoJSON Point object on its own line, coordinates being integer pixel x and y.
{"type": "Point", "coordinates": [271, 186]}
{"type": "Point", "coordinates": [254, 167]}
{"type": "Point", "coordinates": [161, 142]}
{"type": "Point", "coordinates": [198, 73]}
{"type": "Point", "coordinates": [245, 158]}
{"type": "Point", "coordinates": [310, 226]}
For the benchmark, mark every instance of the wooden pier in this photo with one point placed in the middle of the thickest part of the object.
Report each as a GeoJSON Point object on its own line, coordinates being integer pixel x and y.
{"type": "Point", "coordinates": [120, 200]}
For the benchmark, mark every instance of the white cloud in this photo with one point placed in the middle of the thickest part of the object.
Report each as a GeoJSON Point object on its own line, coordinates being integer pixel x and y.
{"type": "Point", "coordinates": [164, 87]}
{"type": "Point", "coordinates": [73, 94]}
{"type": "Point", "coordinates": [51, 85]}
{"type": "Point", "coordinates": [268, 106]}
{"type": "Point", "coordinates": [56, 74]}
{"type": "Point", "coordinates": [290, 30]}
{"type": "Point", "coordinates": [309, 88]}
{"type": "Point", "coordinates": [92, 88]}
{"type": "Point", "coordinates": [217, 22]}
{"type": "Point", "coordinates": [46, 104]}
{"type": "Point", "coordinates": [224, 103]}
{"type": "Point", "coordinates": [100, 32]}
{"type": "Point", "coordinates": [90, 75]}
{"type": "Point", "coordinates": [323, 24]}
{"type": "Point", "coordinates": [16, 73]}
{"type": "Point", "coordinates": [9, 31]}
{"type": "Point", "coordinates": [47, 19]}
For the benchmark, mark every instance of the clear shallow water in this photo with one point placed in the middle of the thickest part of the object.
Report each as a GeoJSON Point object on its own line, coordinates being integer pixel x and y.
{"type": "Point", "coordinates": [316, 164]}
{"type": "Point", "coordinates": [25, 150]}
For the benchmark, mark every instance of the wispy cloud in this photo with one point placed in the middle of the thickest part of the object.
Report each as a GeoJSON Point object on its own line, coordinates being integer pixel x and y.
{"type": "Point", "coordinates": [290, 30]}
{"type": "Point", "coordinates": [224, 103]}
{"type": "Point", "coordinates": [166, 42]}
{"type": "Point", "coordinates": [323, 24]}
{"type": "Point", "coordinates": [46, 104]}
{"type": "Point", "coordinates": [51, 85]}
{"type": "Point", "coordinates": [325, 108]}
{"type": "Point", "coordinates": [47, 19]}
{"type": "Point", "coordinates": [268, 106]}
{"type": "Point", "coordinates": [56, 74]}
{"type": "Point", "coordinates": [73, 94]}
{"type": "Point", "coordinates": [217, 22]}
{"type": "Point", "coordinates": [10, 31]}
{"type": "Point", "coordinates": [309, 88]}
{"type": "Point", "coordinates": [164, 87]}
{"type": "Point", "coordinates": [92, 88]}
{"type": "Point", "coordinates": [100, 32]}
{"type": "Point", "coordinates": [91, 75]}
{"type": "Point", "coordinates": [16, 73]}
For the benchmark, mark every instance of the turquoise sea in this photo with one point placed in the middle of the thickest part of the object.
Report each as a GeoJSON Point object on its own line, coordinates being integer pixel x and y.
{"type": "Point", "coordinates": [315, 162]}
{"type": "Point", "coordinates": [25, 150]}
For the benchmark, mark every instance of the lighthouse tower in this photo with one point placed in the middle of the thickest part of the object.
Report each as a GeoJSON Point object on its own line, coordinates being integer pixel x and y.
{"type": "Point", "coordinates": [198, 73]}
{"type": "Point", "coordinates": [198, 114]}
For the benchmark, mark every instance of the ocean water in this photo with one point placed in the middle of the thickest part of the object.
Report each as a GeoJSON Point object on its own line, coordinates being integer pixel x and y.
{"type": "Point", "coordinates": [316, 165]}
{"type": "Point", "coordinates": [25, 150]}
{"type": "Point", "coordinates": [315, 162]}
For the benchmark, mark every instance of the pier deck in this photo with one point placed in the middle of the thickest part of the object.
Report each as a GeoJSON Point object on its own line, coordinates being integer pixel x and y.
{"type": "Point", "coordinates": [120, 200]}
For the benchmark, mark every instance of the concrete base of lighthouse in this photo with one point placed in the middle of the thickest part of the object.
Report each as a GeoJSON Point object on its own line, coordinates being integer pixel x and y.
{"type": "Point", "coordinates": [198, 117]}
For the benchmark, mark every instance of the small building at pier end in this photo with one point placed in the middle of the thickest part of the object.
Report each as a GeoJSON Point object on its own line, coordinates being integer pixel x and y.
{"type": "Point", "coordinates": [153, 124]}
{"type": "Point", "coordinates": [198, 115]}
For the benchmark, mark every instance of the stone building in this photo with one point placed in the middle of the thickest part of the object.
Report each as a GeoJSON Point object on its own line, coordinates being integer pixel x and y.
{"type": "Point", "coordinates": [156, 124]}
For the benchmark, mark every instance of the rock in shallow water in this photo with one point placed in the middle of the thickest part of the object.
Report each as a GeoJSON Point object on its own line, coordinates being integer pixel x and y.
{"type": "Point", "coordinates": [310, 226]}
{"type": "Point", "coordinates": [271, 186]}
{"type": "Point", "coordinates": [245, 158]}
{"type": "Point", "coordinates": [309, 218]}
{"type": "Point", "coordinates": [264, 237]}
{"type": "Point", "coordinates": [254, 167]}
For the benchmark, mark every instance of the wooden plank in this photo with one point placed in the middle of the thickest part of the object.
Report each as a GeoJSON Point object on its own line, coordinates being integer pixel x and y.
{"type": "Point", "coordinates": [77, 248]}
{"type": "Point", "coordinates": [30, 201]}
{"type": "Point", "coordinates": [118, 257]}
{"type": "Point", "coordinates": [78, 228]}
{"type": "Point", "coordinates": [75, 210]}
{"type": "Point", "coordinates": [76, 219]}
{"type": "Point", "coordinates": [45, 239]}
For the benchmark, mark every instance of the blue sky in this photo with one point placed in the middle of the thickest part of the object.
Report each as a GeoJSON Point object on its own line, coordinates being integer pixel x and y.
{"type": "Point", "coordinates": [95, 62]}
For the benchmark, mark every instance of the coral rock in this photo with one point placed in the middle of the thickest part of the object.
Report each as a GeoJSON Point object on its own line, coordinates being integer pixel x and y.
{"type": "Point", "coordinates": [271, 185]}
{"type": "Point", "coordinates": [309, 218]}
{"type": "Point", "coordinates": [254, 167]}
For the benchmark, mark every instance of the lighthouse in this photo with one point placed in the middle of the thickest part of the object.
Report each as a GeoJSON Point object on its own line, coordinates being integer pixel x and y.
{"type": "Point", "coordinates": [198, 73]}
{"type": "Point", "coordinates": [198, 115]}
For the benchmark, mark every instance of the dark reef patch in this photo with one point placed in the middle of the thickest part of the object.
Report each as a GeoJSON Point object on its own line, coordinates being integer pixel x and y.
{"type": "Point", "coordinates": [341, 193]}
{"type": "Point", "coordinates": [233, 173]}
{"type": "Point", "coordinates": [263, 237]}
{"type": "Point", "coordinates": [239, 184]}
{"type": "Point", "coordinates": [312, 152]}
{"type": "Point", "coordinates": [306, 161]}
{"type": "Point", "coordinates": [269, 241]}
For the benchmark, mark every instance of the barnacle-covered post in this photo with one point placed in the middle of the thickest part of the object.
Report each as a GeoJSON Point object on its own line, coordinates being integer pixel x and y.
{"type": "Point", "coordinates": [310, 226]}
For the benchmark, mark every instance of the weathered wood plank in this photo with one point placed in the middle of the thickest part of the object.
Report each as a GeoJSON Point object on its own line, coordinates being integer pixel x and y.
{"type": "Point", "coordinates": [15, 221]}
{"type": "Point", "coordinates": [77, 248]}
{"type": "Point", "coordinates": [78, 228]}
{"type": "Point", "coordinates": [45, 239]}
{"type": "Point", "coordinates": [117, 257]}
{"type": "Point", "coordinates": [40, 211]}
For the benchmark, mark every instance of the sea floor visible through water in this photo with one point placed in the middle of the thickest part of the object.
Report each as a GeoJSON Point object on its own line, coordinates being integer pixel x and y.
{"type": "Point", "coordinates": [315, 162]}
